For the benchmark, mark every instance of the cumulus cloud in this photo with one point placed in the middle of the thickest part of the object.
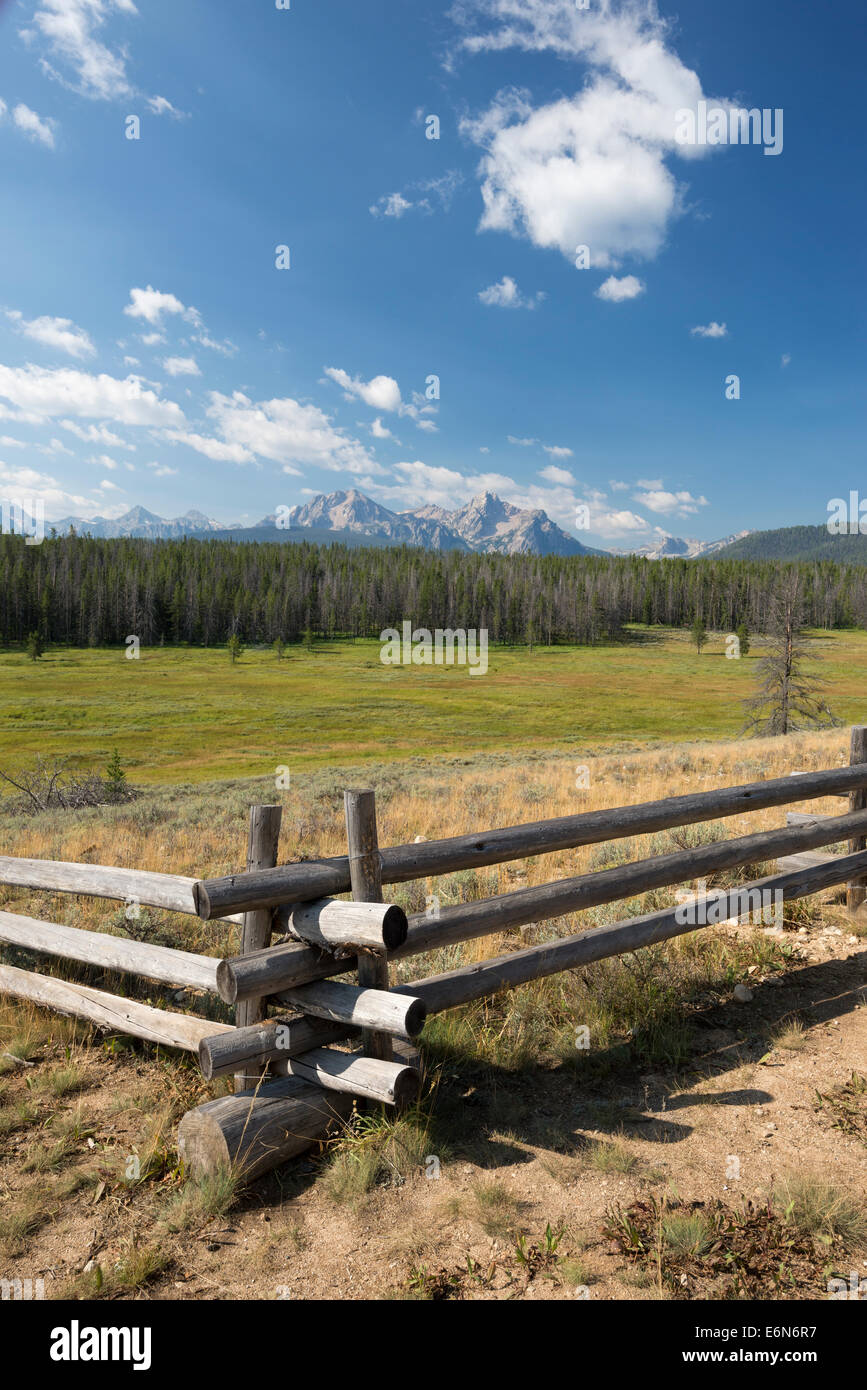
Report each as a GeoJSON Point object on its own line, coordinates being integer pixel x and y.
{"type": "Point", "coordinates": [557, 451]}
{"type": "Point", "coordinates": [709, 330]}
{"type": "Point", "coordinates": [29, 484]}
{"type": "Point", "coordinates": [617, 290]}
{"type": "Point", "coordinates": [618, 523]}
{"type": "Point", "coordinates": [61, 334]}
{"type": "Point", "coordinates": [96, 434]}
{"type": "Point", "coordinates": [40, 393]}
{"type": "Point", "coordinates": [181, 366]}
{"type": "Point", "coordinates": [506, 295]}
{"type": "Point", "coordinates": [678, 503]}
{"type": "Point", "coordinates": [590, 169]}
{"type": "Point", "coordinates": [38, 128]}
{"type": "Point", "coordinates": [382, 392]}
{"type": "Point", "coordinates": [283, 430]}
{"type": "Point", "coordinates": [66, 31]}
{"type": "Point", "coordinates": [558, 475]}
{"type": "Point", "coordinates": [150, 304]}
{"type": "Point", "coordinates": [379, 430]}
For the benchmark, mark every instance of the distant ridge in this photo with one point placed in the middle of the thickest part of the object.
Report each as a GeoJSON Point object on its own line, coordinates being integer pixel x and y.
{"type": "Point", "coordinates": [799, 543]}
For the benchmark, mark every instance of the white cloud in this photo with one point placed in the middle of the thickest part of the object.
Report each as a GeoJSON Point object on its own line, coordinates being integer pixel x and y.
{"type": "Point", "coordinates": [434, 193]}
{"type": "Point", "coordinates": [68, 29]}
{"type": "Point", "coordinates": [617, 486]}
{"type": "Point", "coordinates": [616, 290]}
{"type": "Point", "coordinates": [61, 334]}
{"type": "Point", "coordinates": [161, 106]}
{"type": "Point", "coordinates": [557, 451]}
{"type": "Point", "coordinates": [283, 430]}
{"type": "Point", "coordinates": [27, 484]}
{"type": "Point", "coordinates": [103, 461]}
{"type": "Point", "coordinates": [382, 392]}
{"type": "Point", "coordinates": [558, 475]}
{"type": "Point", "coordinates": [38, 128]}
{"type": "Point", "coordinates": [785, 359]}
{"type": "Point", "coordinates": [215, 449]}
{"type": "Point", "coordinates": [3, 108]}
{"type": "Point", "coordinates": [96, 434]}
{"type": "Point", "coordinates": [150, 304]}
{"type": "Point", "coordinates": [506, 295]}
{"type": "Point", "coordinates": [227, 347]}
{"type": "Point", "coordinates": [390, 205]}
{"type": "Point", "coordinates": [107, 486]}
{"type": "Point", "coordinates": [679, 503]}
{"type": "Point", "coordinates": [162, 470]}
{"type": "Point", "coordinates": [523, 443]}
{"type": "Point", "coordinates": [588, 169]}
{"type": "Point", "coordinates": [379, 430]}
{"type": "Point", "coordinates": [131, 362]}
{"type": "Point", "coordinates": [7, 442]}
{"type": "Point", "coordinates": [151, 339]}
{"type": "Point", "coordinates": [619, 523]}
{"type": "Point", "coordinates": [710, 330]}
{"type": "Point", "coordinates": [43, 393]}
{"type": "Point", "coordinates": [181, 366]}
{"type": "Point", "coordinates": [650, 483]}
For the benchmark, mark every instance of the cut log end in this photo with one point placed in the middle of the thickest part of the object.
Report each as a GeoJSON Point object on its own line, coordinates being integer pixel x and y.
{"type": "Point", "coordinates": [394, 927]}
{"type": "Point", "coordinates": [416, 1015]}
{"type": "Point", "coordinates": [227, 985]}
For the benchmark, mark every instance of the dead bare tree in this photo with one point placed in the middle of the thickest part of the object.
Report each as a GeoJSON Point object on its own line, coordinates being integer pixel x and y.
{"type": "Point", "coordinates": [787, 700]}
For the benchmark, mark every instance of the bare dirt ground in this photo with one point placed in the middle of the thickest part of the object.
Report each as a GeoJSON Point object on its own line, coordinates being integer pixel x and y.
{"type": "Point", "coordinates": [535, 1150]}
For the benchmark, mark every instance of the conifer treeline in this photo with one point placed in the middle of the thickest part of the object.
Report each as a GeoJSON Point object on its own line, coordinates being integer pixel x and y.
{"type": "Point", "coordinates": [81, 591]}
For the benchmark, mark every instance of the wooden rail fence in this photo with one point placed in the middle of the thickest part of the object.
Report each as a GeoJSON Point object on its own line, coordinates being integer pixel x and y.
{"type": "Point", "coordinates": [331, 1043]}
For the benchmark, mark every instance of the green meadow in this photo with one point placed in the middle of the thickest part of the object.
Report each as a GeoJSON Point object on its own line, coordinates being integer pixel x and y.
{"type": "Point", "coordinates": [190, 715]}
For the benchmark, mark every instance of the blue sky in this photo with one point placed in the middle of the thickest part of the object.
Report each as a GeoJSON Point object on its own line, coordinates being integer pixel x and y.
{"type": "Point", "coordinates": [152, 352]}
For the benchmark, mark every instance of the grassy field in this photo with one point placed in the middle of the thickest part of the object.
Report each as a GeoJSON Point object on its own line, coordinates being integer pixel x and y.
{"type": "Point", "coordinates": [190, 716]}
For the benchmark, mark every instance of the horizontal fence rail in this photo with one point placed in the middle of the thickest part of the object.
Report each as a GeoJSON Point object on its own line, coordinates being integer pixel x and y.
{"type": "Point", "coordinates": [99, 881]}
{"type": "Point", "coordinates": [109, 1011]}
{"type": "Point", "coordinates": [298, 1075]}
{"type": "Point", "coordinates": [486, 977]}
{"type": "Point", "coordinates": [179, 968]}
{"type": "Point", "coordinates": [287, 966]}
{"type": "Point", "coordinates": [216, 897]}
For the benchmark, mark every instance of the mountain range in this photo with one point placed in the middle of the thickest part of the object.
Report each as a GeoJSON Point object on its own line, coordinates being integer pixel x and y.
{"type": "Point", "coordinates": [486, 523]}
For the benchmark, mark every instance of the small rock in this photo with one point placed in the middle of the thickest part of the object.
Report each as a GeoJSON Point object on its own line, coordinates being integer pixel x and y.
{"type": "Point", "coordinates": [89, 1267]}
{"type": "Point", "coordinates": [742, 994]}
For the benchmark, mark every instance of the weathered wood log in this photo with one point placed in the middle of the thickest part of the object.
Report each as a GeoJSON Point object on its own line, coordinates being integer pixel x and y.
{"type": "Point", "coordinates": [365, 876]}
{"type": "Point", "coordinates": [390, 1083]}
{"type": "Point", "coordinates": [109, 1011]}
{"type": "Point", "coordinates": [179, 968]}
{"type": "Point", "coordinates": [98, 881]}
{"type": "Point", "coordinates": [260, 1128]}
{"type": "Point", "coordinates": [289, 966]}
{"type": "Point", "coordinates": [275, 968]}
{"type": "Point", "coordinates": [333, 925]}
{"type": "Point", "coordinates": [267, 1042]}
{"type": "Point", "coordinates": [856, 893]}
{"type": "Point", "coordinates": [216, 897]}
{"type": "Point", "coordinates": [263, 836]}
{"type": "Point", "coordinates": [377, 1009]}
{"type": "Point", "coordinates": [487, 977]}
{"type": "Point", "coordinates": [803, 818]}
{"type": "Point", "coordinates": [810, 859]}
{"type": "Point", "coordinates": [525, 905]}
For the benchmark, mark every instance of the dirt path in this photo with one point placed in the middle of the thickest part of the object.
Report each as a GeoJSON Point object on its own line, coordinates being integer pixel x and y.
{"type": "Point", "coordinates": [540, 1150]}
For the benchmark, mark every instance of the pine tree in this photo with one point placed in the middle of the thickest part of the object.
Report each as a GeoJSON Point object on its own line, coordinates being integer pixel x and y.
{"type": "Point", "coordinates": [235, 647]}
{"type": "Point", "coordinates": [699, 634]}
{"type": "Point", "coordinates": [34, 646]}
{"type": "Point", "coordinates": [742, 633]}
{"type": "Point", "coordinates": [115, 778]}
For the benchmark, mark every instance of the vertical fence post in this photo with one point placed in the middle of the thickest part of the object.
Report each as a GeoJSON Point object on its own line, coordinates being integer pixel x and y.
{"type": "Point", "coordinates": [262, 839]}
{"type": "Point", "coordinates": [856, 893]}
{"type": "Point", "coordinates": [365, 873]}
